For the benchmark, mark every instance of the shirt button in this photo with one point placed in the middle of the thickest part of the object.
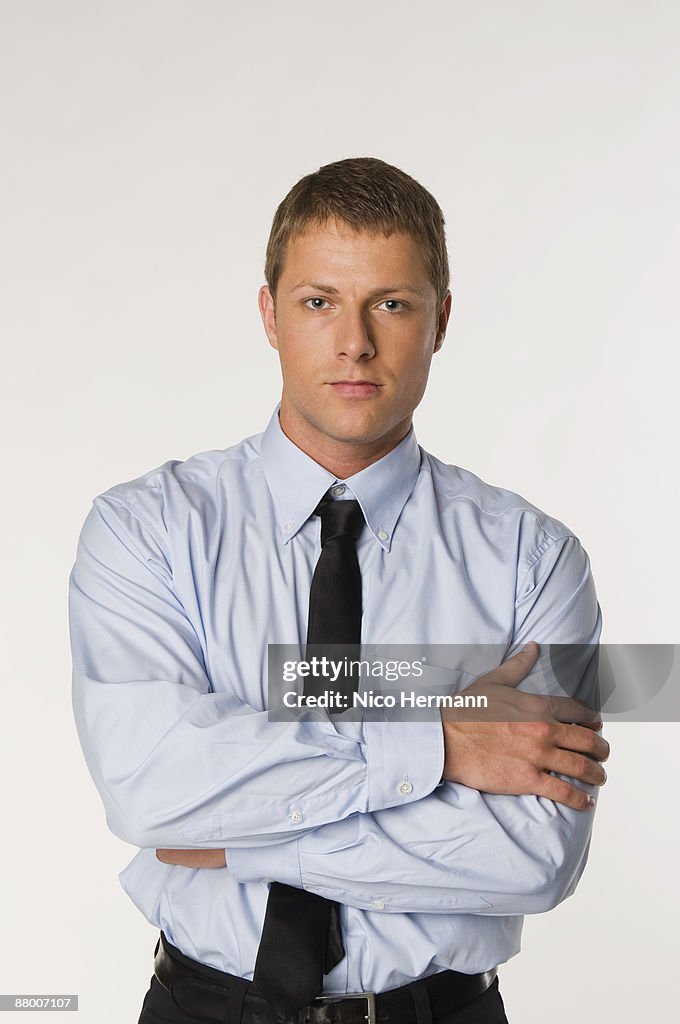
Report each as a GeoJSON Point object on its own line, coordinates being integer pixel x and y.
{"type": "Point", "coordinates": [382, 535]}
{"type": "Point", "coordinates": [406, 788]}
{"type": "Point", "coordinates": [337, 490]}
{"type": "Point", "coordinates": [289, 527]}
{"type": "Point", "coordinates": [378, 905]}
{"type": "Point", "coordinates": [296, 817]}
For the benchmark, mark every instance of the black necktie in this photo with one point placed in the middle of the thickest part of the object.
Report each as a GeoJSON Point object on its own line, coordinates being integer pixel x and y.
{"type": "Point", "coordinates": [301, 937]}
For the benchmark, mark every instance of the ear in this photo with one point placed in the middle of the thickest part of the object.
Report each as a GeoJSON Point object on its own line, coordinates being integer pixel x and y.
{"type": "Point", "coordinates": [265, 302]}
{"type": "Point", "coordinates": [444, 314]}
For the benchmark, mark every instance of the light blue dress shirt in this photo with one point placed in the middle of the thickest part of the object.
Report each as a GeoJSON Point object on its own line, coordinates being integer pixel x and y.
{"type": "Point", "coordinates": [182, 578]}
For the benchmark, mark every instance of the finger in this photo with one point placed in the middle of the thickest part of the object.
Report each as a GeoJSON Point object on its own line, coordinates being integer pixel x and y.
{"type": "Point", "coordinates": [166, 856]}
{"type": "Point", "coordinates": [582, 740]}
{"type": "Point", "coordinates": [563, 793]}
{"type": "Point", "coordinates": [193, 858]}
{"type": "Point", "coordinates": [513, 671]}
{"type": "Point", "coordinates": [175, 856]}
{"type": "Point", "coordinates": [570, 709]}
{"type": "Point", "coordinates": [576, 766]}
{"type": "Point", "coordinates": [596, 725]}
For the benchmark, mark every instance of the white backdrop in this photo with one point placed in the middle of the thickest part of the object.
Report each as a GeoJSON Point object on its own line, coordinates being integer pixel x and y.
{"type": "Point", "coordinates": [145, 146]}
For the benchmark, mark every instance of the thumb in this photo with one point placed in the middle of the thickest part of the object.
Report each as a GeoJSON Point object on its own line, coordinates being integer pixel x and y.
{"type": "Point", "coordinates": [513, 671]}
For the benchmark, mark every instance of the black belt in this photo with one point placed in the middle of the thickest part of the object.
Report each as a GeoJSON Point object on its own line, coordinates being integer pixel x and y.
{"type": "Point", "coordinates": [199, 989]}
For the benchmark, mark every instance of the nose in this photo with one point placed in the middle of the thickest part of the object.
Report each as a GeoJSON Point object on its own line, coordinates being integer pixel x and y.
{"type": "Point", "coordinates": [353, 337]}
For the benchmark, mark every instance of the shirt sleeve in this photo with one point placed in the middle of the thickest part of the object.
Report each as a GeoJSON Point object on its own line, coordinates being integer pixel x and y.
{"type": "Point", "coordinates": [458, 850]}
{"type": "Point", "coordinates": [180, 766]}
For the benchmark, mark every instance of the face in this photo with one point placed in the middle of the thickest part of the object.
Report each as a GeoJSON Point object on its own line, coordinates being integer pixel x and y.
{"type": "Point", "coordinates": [355, 322]}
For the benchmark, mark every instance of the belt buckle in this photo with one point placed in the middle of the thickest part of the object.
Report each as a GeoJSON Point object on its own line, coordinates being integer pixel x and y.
{"type": "Point", "coordinates": [371, 1017]}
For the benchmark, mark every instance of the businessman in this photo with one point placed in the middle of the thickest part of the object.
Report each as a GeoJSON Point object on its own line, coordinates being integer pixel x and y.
{"type": "Point", "coordinates": [332, 868]}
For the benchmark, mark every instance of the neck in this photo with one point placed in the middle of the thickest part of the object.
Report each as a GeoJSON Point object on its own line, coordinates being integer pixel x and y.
{"type": "Point", "coordinates": [341, 458]}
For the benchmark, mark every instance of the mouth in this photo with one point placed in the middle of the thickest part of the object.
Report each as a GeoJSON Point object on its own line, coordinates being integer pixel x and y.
{"type": "Point", "coordinates": [355, 388]}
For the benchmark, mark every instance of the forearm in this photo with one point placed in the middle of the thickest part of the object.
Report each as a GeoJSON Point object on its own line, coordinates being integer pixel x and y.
{"type": "Point", "coordinates": [455, 851]}
{"type": "Point", "coordinates": [216, 778]}
{"type": "Point", "coordinates": [463, 849]}
{"type": "Point", "coordinates": [177, 765]}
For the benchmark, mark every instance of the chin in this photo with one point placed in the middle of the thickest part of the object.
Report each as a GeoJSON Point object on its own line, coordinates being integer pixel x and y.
{"type": "Point", "coordinates": [351, 428]}
{"type": "Point", "coordinates": [345, 426]}
{"type": "Point", "coordinates": [357, 436]}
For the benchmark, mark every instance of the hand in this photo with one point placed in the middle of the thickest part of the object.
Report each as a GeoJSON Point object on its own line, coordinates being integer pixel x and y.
{"type": "Point", "coordinates": [514, 754]}
{"type": "Point", "coordinates": [193, 858]}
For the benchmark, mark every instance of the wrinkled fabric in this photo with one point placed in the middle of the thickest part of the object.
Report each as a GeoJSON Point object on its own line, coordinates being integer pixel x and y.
{"type": "Point", "coordinates": [184, 575]}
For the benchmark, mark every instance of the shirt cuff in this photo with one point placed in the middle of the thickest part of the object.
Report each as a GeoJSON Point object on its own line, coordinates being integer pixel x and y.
{"type": "Point", "coordinates": [253, 863]}
{"type": "Point", "coordinates": [405, 759]}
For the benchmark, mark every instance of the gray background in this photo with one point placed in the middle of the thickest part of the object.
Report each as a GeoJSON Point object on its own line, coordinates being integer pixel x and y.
{"type": "Point", "coordinates": [144, 148]}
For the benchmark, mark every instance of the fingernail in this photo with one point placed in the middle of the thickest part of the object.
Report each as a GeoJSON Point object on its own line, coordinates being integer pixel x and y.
{"type": "Point", "coordinates": [530, 646]}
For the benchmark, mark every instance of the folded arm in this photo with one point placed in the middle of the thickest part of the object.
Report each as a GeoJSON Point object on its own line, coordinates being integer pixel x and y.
{"type": "Point", "coordinates": [455, 851]}
{"type": "Point", "coordinates": [179, 765]}
{"type": "Point", "coordinates": [460, 849]}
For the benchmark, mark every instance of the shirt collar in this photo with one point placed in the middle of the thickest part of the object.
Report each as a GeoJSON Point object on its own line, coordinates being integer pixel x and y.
{"type": "Point", "coordinates": [297, 483]}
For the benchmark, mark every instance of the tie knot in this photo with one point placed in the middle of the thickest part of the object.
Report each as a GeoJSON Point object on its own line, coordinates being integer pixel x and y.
{"type": "Point", "coordinates": [339, 519]}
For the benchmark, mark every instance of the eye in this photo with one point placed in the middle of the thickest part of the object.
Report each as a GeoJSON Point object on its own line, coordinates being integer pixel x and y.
{"type": "Point", "coordinates": [315, 302]}
{"type": "Point", "coordinates": [393, 305]}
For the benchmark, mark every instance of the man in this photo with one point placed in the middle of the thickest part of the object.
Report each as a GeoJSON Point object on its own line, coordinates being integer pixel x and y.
{"type": "Point", "coordinates": [362, 856]}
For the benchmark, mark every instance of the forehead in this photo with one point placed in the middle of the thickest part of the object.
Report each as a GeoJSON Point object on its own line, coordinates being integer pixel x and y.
{"type": "Point", "coordinates": [339, 249]}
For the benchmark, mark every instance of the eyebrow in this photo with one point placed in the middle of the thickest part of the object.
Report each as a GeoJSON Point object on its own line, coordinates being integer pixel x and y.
{"type": "Point", "coordinates": [387, 290]}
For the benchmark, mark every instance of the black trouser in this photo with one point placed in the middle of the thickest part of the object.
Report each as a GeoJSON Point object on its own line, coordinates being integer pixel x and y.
{"type": "Point", "coordinates": [160, 1007]}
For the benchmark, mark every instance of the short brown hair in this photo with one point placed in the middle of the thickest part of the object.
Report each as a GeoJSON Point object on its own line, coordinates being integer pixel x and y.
{"type": "Point", "coordinates": [368, 195]}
